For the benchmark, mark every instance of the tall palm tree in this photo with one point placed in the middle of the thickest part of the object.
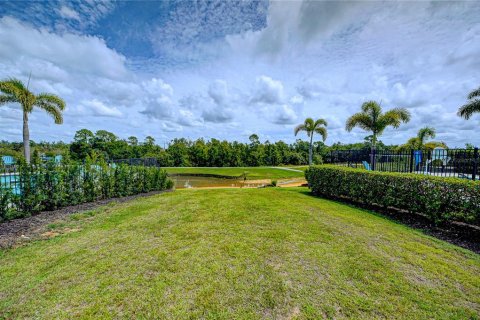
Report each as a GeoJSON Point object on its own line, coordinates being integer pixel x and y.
{"type": "Point", "coordinates": [14, 91]}
{"type": "Point", "coordinates": [311, 126]}
{"type": "Point", "coordinates": [467, 110]}
{"type": "Point", "coordinates": [373, 120]}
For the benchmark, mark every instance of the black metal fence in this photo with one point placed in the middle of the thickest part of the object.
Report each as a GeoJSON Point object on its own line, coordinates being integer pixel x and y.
{"type": "Point", "coordinates": [460, 163]}
{"type": "Point", "coordinates": [10, 175]}
{"type": "Point", "coordinates": [146, 162]}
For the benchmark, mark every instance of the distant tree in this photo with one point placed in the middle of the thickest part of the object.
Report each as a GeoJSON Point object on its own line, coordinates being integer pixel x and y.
{"type": "Point", "coordinates": [373, 120]}
{"type": "Point", "coordinates": [132, 141]}
{"type": "Point", "coordinates": [311, 126]}
{"type": "Point", "coordinates": [84, 136]}
{"type": "Point", "coordinates": [14, 91]}
{"type": "Point", "coordinates": [149, 140]}
{"type": "Point", "coordinates": [469, 146]}
{"type": "Point", "coordinates": [254, 140]}
{"type": "Point", "coordinates": [424, 134]}
{"type": "Point", "coordinates": [473, 105]}
{"type": "Point", "coordinates": [419, 141]}
{"type": "Point", "coordinates": [178, 151]}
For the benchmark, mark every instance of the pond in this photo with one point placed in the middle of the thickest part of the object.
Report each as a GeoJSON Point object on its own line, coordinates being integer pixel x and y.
{"type": "Point", "coordinates": [183, 182]}
{"type": "Point", "coordinates": [10, 181]}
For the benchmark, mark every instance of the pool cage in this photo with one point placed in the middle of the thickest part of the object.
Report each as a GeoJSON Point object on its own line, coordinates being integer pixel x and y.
{"type": "Point", "coordinates": [459, 163]}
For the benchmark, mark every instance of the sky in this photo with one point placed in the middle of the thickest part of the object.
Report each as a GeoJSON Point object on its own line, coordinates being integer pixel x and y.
{"type": "Point", "coordinates": [228, 69]}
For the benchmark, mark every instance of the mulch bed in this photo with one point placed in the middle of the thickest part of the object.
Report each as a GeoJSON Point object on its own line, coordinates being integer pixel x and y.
{"type": "Point", "coordinates": [17, 230]}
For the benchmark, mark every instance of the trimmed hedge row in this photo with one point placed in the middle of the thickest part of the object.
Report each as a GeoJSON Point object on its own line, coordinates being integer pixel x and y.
{"type": "Point", "coordinates": [440, 199]}
{"type": "Point", "coordinates": [34, 188]}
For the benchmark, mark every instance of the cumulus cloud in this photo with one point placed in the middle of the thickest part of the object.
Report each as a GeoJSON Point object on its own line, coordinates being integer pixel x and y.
{"type": "Point", "coordinates": [316, 59]}
{"type": "Point", "coordinates": [268, 91]}
{"type": "Point", "coordinates": [97, 108]}
{"type": "Point", "coordinates": [158, 99]}
{"type": "Point", "coordinates": [188, 119]}
{"type": "Point", "coordinates": [285, 115]}
{"type": "Point", "coordinates": [68, 52]}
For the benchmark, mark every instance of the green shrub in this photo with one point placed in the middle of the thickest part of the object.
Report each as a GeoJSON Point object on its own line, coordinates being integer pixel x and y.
{"type": "Point", "coordinates": [50, 186]}
{"type": "Point", "coordinates": [440, 199]}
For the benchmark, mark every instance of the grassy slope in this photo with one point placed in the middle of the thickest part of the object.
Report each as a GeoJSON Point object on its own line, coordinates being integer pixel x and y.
{"type": "Point", "coordinates": [253, 173]}
{"type": "Point", "coordinates": [239, 253]}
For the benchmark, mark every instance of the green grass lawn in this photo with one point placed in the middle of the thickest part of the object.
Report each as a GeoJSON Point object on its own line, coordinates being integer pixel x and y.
{"type": "Point", "coordinates": [253, 173]}
{"type": "Point", "coordinates": [238, 254]}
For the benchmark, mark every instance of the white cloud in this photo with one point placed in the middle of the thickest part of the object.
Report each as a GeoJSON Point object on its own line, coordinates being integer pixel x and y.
{"type": "Point", "coordinates": [268, 91]}
{"type": "Point", "coordinates": [97, 108]}
{"type": "Point", "coordinates": [72, 53]}
{"type": "Point", "coordinates": [285, 115]}
{"type": "Point", "coordinates": [188, 119]}
{"type": "Point", "coordinates": [68, 13]}
{"type": "Point", "coordinates": [317, 59]}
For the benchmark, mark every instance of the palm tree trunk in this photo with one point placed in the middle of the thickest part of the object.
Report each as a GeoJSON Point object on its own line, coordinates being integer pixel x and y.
{"type": "Point", "coordinates": [372, 150]}
{"type": "Point", "coordinates": [310, 151]}
{"type": "Point", "coordinates": [26, 138]}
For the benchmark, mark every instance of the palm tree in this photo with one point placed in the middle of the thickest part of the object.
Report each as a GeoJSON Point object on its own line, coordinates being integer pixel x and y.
{"type": "Point", "coordinates": [310, 127]}
{"type": "Point", "coordinates": [13, 90]}
{"type": "Point", "coordinates": [466, 111]}
{"type": "Point", "coordinates": [418, 142]}
{"type": "Point", "coordinates": [424, 134]}
{"type": "Point", "coordinates": [372, 119]}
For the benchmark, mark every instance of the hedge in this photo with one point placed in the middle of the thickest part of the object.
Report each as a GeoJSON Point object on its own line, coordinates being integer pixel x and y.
{"type": "Point", "coordinates": [38, 187]}
{"type": "Point", "coordinates": [439, 199]}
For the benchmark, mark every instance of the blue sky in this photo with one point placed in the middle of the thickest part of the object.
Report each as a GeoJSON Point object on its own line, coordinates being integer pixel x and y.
{"type": "Point", "coordinates": [226, 69]}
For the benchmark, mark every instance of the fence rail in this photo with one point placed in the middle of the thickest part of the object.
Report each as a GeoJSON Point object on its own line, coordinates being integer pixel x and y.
{"type": "Point", "coordinates": [460, 163]}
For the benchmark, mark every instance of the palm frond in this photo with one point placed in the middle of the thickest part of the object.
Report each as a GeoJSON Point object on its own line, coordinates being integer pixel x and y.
{"type": "Point", "coordinates": [371, 107]}
{"type": "Point", "coordinates": [4, 99]}
{"type": "Point", "coordinates": [52, 109]}
{"type": "Point", "coordinates": [309, 124]}
{"type": "Point", "coordinates": [466, 111]}
{"type": "Point", "coordinates": [320, 122]}
{"type": "Point", "coordinates": [51, 99]}
{"type": "Point", "coordinates": [300, 127]}
{"type": "Point", "coordinates": [474, 93]}
{"type": "Point", "coordinates": [426, 132]}
{"type": "Point", "coordinates": [322, 131]}
{"type": "Point", "coordinates": [394, 118]}
{"type": "Point", "coordinates": [361, 120]}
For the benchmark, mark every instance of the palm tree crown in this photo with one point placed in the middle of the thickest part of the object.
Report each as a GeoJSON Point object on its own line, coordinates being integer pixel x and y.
{"type": "Point", "coordinates": [311, 126]}
{"type": "Point", "coordinates": [372, 119]}
{"type": "Point", "coordinates": [467, 110]}
{"type": "Point", "coordinates": [14, 91]}
{"type": "Point", "coordinates": [424, 134]}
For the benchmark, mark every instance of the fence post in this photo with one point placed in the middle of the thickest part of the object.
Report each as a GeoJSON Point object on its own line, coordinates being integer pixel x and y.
{"type": "Point", "coordinates": [475, 164]}
{"type": "Point", "coordinates": [412, 156]}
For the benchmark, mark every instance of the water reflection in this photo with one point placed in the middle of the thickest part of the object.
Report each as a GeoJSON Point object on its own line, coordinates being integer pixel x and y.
{"type": "Point", "coordinates": [186, 182]}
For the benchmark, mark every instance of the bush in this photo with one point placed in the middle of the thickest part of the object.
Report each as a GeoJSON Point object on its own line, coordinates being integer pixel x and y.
{"type": "Point", "coordinates": [50, 186]}
{"type": "Point", "coordinates": [439, 199]}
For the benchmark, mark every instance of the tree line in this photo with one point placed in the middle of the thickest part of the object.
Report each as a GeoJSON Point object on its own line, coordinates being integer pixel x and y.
{"type": "Point", "coordinates": [182, 152]}
{"type": "Point", "coordinates": [106, 145]}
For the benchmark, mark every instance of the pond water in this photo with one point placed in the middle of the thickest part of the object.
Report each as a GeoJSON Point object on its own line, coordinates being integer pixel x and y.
{"type": "Point", "coordinates": [183, 182]}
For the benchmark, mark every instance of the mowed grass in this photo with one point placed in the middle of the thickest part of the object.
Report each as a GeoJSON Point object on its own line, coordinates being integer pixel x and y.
{"type": "Point", "coordinates": [270, 253]}
{"type": "Point", "coordinates": [253, 173]}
